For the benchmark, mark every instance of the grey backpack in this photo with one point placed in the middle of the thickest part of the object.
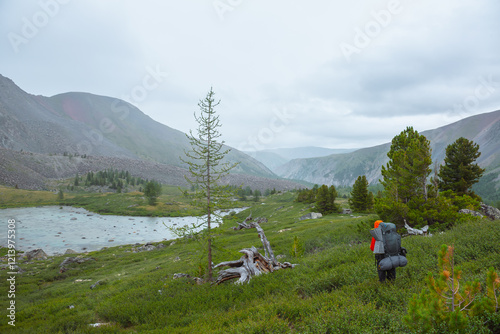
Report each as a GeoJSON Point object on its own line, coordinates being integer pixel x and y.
{"type": "Point", "coordinates": [392, 240]}
{"type": "Point", "coordinates": [392, 248]}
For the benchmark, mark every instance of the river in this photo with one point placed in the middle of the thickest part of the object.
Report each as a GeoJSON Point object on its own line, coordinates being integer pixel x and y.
{"type": "Point", "coordinates": [56, 229]}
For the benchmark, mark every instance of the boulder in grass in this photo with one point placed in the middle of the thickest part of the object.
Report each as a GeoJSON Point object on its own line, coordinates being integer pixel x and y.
{"type": "Point", "coordinates": [36, 254]}
{"type": "Point", "coordinates": [311, 215]}
{"type": "Point", "coordinates": [491, 212]}
{"type": "Point", "coordinates": [470, 212]}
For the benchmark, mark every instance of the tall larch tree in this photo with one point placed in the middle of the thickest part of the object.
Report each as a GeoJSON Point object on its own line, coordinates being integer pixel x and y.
{"type": "Point", "coordinates": [206, 167]}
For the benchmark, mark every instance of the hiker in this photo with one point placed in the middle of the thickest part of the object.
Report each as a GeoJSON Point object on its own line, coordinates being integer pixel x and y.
{"type": "Point", "coordinates": [386, 245]}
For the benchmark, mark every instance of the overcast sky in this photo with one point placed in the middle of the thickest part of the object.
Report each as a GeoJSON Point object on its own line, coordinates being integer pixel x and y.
{"type": "Point", "coordinates": [289, 73]}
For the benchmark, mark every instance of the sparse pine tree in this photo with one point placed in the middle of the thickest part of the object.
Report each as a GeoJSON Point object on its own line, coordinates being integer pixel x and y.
{"type": "Point", "coordinates": [445, 302]}
{"type": "Point", "coordinates": [297, 247]}
{"type": "Point", "coordinates": [206, 167]}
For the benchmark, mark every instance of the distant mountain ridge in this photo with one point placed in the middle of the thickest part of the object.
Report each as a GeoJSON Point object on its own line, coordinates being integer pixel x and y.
{"type": "Point", "coordinates": [274, 158]}
{"type": "Point", "coordinates": [343, 169]}
{"type": "Point", "coordinates": [85, 124]}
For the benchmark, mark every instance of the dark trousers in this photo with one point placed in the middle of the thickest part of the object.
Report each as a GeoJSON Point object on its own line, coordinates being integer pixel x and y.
{"type": "Point", "coordinates": [383, 274]}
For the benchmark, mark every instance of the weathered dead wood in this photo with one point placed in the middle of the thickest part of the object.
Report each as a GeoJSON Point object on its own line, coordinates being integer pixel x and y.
{"type": "Point", "coordinates": [415, 231]}
{"type": "Point", "coordinates": [243, 224]}
{"type": "Point", "coordinates": [252, 263]}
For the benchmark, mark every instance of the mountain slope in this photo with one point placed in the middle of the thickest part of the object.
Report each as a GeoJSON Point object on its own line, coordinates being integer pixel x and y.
{"type": "Point", "coordinates": [274, 158]}
{"type": "Point", "coordinates": [343, 169]}
{"type": "Point", "coordinates": [90, 125]}
{"type": "Point", "coordinates": [29, 170]}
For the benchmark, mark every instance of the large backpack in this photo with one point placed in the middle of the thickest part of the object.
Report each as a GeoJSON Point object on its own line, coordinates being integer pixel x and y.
{"type": "Point", "coordinates": [392, 240]}
{"type": "Point", "coordinates": [392, 248]}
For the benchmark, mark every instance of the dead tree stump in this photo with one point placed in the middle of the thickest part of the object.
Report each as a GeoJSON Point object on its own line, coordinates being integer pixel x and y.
{"type": "Point", "coordinates": [252, 263]}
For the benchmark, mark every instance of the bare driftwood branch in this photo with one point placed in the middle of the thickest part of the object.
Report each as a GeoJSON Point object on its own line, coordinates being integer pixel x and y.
{"type": "Point", "coordinates": [415, 231]}
{"type": "Point", "coordinates": [252, 263]}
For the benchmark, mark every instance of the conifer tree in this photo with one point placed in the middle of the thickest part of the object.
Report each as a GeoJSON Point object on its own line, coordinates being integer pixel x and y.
{"type": "Point", "coordinates": [447, 303]}
{"type": "Point", "coordinates": [206, 167]}
{"type": "Point", "coordinates": [325, 199]}
{"type": "Point", "coordinates": [405, 177]}
{"type": "Point", "coordinates": [459, 171]}
{"type": "Point", "coordinates": [409, 165]}
{"type": "Point", "coordinates": [360, 196]}
{"type": "Point", "coordinates": [152, 190]}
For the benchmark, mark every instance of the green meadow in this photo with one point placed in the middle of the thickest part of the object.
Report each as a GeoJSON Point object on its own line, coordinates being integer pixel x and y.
{"type": "Point", "coordinates": [333, 289]}
{"type": "Point", "coordinates": [170, 202]}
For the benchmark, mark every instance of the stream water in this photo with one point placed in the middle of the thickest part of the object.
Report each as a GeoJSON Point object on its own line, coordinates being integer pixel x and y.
{"type": "Point", "coordinates": [56, 229]}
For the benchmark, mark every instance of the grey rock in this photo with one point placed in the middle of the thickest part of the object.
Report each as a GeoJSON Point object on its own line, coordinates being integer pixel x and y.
{"type": "Point", "coordinates": [36, 254]}
{"type": "Point", "coordinates": [311, 215]}
{"type": "Point", "coordinates": [78, 260]}
{"type": "Point", "coordinates": [490, 212]}
{"type": "Point", "coordinates": [470, 212]}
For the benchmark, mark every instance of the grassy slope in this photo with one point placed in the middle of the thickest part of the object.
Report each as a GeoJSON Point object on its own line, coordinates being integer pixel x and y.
{"type": "Point", "coordinates": [334, 289]}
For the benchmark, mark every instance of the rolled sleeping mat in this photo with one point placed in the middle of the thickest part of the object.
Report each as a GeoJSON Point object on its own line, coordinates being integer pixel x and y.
{"type": "Point", "coordinates": [379, 241]}
{"type": "Point", "coordinates": [377, 234]}
{"type": "Point", "coordinates": [392, 262]}
{"type": "Point", "coordinates": [378, 248]}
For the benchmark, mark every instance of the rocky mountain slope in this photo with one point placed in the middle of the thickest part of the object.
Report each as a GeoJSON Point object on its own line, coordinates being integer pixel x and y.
{"type": "Point", "coordinates": [90, 125]}
{"type": "Point", "coordinates": [29, 170]}
{"type": "Point", "coordinates": [44, 138]}
{"type": "Point", "coordinates": [343, 169]}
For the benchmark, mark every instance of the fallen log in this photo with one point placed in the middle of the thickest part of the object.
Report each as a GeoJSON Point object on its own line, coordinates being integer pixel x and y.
{"type": "Point", "coordinates": [252, 263]}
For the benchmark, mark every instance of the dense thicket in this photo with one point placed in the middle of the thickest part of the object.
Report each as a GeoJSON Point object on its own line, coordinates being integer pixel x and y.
{"type": "Point", "coordinates": [112, 178]}
{"type": "Point", "coordinates": [323, 197]}
{"type": "Point", "coordinates": [408, 196]}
